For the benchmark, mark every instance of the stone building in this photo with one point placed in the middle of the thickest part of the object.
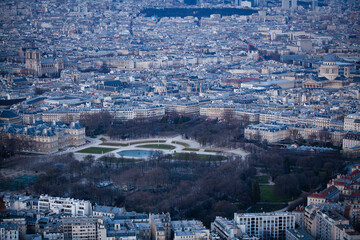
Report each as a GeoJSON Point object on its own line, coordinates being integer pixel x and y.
{"type": "Point", "coordinates": [45, 138]}
{"type": "Point", "coordinates": [160, 225]}
{"type": "Point", "coordinates": [329, 75]}
{"type": "Point", "coordinates": [37, 66]}
{"type": "Point", "coordinates": [269, 132]}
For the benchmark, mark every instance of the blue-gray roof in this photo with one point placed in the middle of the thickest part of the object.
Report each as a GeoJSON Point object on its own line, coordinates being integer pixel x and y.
{"type": "Point", "coordinates": [330, 58]}
{"type": "Point", "coordinates": [8, 114]}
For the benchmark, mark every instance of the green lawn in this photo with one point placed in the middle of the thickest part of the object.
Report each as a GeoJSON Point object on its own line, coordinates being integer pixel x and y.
{"type": "Point", "coordinates": [147, 141]}
{"type": "Point", "coordinates": [264, 179]}
{"type": "Point", "coordinates": [181, 143]}
{"type": "Point", "coordinates": [114, 144]}
{"type": "Point", "coordinates": [197, 157]}
{"type": "Point", "coordinates": [96, 150]}
{"type": "Point", "coordinates": [267, 194]}
{"type": "Point", "coordinates": [191, 149]}
{"type": "Point", "coordinates": [211, 150]}
{"type": "Point", "coordinates": [157, 146]}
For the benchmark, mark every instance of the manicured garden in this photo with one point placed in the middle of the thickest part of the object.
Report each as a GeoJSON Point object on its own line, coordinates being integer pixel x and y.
{"type": "Point", "coordinates": [264, 179]}
{"type": "Point", "coordinates": [114, 144]}
{"type": "Point", "coordinates": [157, 146]}
{"type": "Point", "coordinates": [96, 150]}
{"type": "Point", "coordinates": [191, 149]}
{"type": "Point", "coordinates": [212, 151]}
{"type": "Point", "coordinates": [181, 143]}
{"type": "Point", "coordinates": [147, 141]}
{"type": "Point", "coordinates": [268, 194]}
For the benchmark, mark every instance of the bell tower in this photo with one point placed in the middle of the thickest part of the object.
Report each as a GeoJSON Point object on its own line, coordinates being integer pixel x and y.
{"type": "Point", "coordinates": [33, 62]}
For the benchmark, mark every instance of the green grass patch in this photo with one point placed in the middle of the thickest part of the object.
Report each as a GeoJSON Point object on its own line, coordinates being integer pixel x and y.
{"type": "Point", "coordinates": [147, 141]}
{"type": "Point", "coordinates": [181, 143]}
{"type": "Point", "coordinates": [197, 157]}
{"type": "Point", "coordinates": [157, 146]}
{"type": "Point", "coordinates": [103, 139]}
{"type": "Point", "coordinates": [267, 194]}
{"type": "Point", "coordinates": [96, 150]}
{"type": "Point", "coordinates": [212, 150]}
{"type": "Point", "coordinates": [114, 144]}
{"type": "Point", "coordinates": [263, 179]}
{"type": "Point", "coordinates": [191, 149]}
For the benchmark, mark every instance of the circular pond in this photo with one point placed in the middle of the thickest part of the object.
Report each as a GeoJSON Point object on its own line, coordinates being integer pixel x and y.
{"type": "Point", "coordinates": [137, 153]}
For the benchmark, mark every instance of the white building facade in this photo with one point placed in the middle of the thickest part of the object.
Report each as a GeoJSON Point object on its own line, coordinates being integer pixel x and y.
{"type": "Point", "coordinates": [70, 206]}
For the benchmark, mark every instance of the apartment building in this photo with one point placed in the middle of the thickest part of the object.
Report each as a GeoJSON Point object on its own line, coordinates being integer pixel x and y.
{"type": "Point", "coordinates": [120, 229]}
{"type": "Point", "coordinates": [298, 234]}
{"type": "Point", "coordinates": [351, 142]}
{"type": "Point", "coordinates": [251, 117]}
{"type": "Point", "coordinates": [217, 111]}
{"type": "Point", "coordinates": [182, 108]}
{"type": "Point", "coordinates": [66, 206]}
{"type": "Point", "coordinates": [352, 122]}
{"type": "Point", "coordinates": [330, 194]}
{"type": "Point", "coordinates": [345, 232]}
{"type": "Point", "coordinates": [160, 225]}
{"type": "Point", "coordinates": [144, 112]}
{"type": "Point", "coordinates": [346, 184]}
{"type": "Point", "coordinates": [326, 222]}
{"type": "Point", "coordinates": [299, 213]}
{"type": "Point", "coordinates": [189, 230]}
{"type": "Point", "coordinates": [269, 132]}
{"type": "Point", "coordinates": [91, 228]}
{"type": "Point", "coordinates": [9, 231]}
{"type": "Point", "coordinates": [105, 211]}
{"type": "Point", "coordinates": [266, 225]}
{"type": "Point", "coordinates": [225, 229]}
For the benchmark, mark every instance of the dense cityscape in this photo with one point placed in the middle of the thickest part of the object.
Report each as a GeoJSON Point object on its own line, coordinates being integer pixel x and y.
{"type": "Point", "coordinates": [180, 119]}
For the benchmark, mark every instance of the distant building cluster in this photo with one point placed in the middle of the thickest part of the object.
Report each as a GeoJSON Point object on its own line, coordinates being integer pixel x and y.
{"type": "Point", "coordinates": [289, 61]}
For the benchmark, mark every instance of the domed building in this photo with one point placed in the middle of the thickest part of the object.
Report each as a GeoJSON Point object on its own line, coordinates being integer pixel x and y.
{"type": "Point", "coordinates": [329, 68]}
{"type": "Point", "coordinates": [329, 74]}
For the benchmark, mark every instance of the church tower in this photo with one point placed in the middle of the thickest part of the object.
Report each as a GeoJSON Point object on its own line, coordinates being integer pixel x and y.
{"type": "Point", "coordinates": [33, 62]}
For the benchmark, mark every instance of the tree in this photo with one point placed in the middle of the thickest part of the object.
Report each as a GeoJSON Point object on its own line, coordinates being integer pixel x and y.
{"type": "Point", "coordinates": [96, 123]}
{"type": "Point", "coordinates": [324, 136]}
{"type": "Point", "coordinates": [286, 165]}
{"type": "Point", "coordinates": [245, 121]}
{"type": "Point", "coordinates": [255, 191]}
{"type": "Point", "coordinates": [8, 145]}
{"type": "Point", "coordinates": [312, 138]}
{"type": "Point", "coordinates": [294, 134]}
{"type": "Point", "coordinates": [228, 115]}
{"type": "Point", "coordinates": [287, 185]}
